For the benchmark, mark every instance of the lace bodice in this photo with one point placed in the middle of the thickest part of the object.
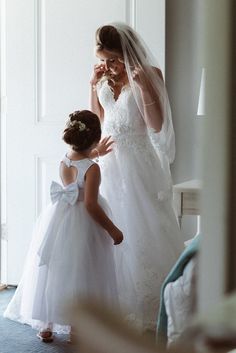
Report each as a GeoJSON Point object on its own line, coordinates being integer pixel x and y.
{"type": "Point", "coordinates": [124, 123]}
{"type": "Point", "coordinates": [121, 116]}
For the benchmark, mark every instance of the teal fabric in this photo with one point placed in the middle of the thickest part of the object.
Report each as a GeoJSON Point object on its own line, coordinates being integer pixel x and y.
{"type": "Point", "coordinates": [174, 274]}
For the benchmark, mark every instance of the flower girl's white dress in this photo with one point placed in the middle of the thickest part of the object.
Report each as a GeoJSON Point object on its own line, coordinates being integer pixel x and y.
{"type": "Point", "coordinates": [140, 196]}
{"type": "Point", "coordinates": [70, 257]}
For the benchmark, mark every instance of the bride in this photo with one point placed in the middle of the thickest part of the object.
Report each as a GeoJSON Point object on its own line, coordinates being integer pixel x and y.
{"type": "Point", "coordinates": [129, 96]}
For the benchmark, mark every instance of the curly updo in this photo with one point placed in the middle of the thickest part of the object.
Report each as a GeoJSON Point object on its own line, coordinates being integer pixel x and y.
{"type": "Point", "coordinates": [82, 130]}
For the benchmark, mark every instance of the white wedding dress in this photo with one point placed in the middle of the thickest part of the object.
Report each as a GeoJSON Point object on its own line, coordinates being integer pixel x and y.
{"type": "Point", "coordinates": [140, 196]}
{"type": "Point", "coordinates": [70, 257]}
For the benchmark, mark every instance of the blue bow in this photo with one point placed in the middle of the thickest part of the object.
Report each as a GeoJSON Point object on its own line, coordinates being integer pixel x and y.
{"type": "Point", "coordinates": [68, 194]}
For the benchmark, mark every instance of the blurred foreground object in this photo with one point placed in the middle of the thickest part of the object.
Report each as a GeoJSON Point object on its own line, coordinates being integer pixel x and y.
{"type": "Point", "coordinates": [213, 332]}
{"type": "Point", "coordinates": [99, 330]}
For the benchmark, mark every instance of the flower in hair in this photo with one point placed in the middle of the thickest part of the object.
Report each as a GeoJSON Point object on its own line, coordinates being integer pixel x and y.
{"type": "Point", "coordinates": [79, 125]}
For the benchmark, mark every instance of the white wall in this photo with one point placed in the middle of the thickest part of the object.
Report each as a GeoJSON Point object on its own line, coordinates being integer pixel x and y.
{"type": "Point", "coordinates": [153, 33]}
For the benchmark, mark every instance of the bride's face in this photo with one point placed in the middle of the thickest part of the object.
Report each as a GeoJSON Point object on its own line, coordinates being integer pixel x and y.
{"type": "Point", "coordinates": [111, 62]}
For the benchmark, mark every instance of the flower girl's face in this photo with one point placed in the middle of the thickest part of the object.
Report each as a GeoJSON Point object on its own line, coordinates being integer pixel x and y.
{"type": "Point", "coordinates": [110, 62]}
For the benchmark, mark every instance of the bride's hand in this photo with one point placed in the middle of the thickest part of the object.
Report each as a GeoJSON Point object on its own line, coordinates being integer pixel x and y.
{"type": "Point", "coordinates": [104, 145]}
{"type": "Point", "coordinates": [98, 72]}
{"type": "Point", "coordinates": [139, 77]}
{"type": "Point", "coordinates": [142, 80]}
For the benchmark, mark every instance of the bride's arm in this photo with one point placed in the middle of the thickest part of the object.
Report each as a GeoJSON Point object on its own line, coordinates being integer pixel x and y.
{"type": "Point", "coordinates": [95, 105]}
{"type": "Point", "coordinates": [153, 112]}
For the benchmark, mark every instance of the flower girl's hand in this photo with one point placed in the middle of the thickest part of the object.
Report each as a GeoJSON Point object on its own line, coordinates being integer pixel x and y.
{"type": "Point", "coordinates": [116, 235]}
{"type": "Point", "coordinates": [104, 145]}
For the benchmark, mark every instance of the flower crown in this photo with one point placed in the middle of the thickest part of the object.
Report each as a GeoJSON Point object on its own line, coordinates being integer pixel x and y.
{"type": "Point", "coordinates": [78, 125]}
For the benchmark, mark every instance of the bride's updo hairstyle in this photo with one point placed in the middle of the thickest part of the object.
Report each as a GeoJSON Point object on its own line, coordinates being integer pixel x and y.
{"type": "Point", "coordinates": [82, 130]}
{"type": "Point", "coordinates": [108, 38]}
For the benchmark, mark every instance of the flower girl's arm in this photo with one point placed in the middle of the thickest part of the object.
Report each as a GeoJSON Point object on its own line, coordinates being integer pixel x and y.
{"type": "Point", "coordinates": [92, 182]}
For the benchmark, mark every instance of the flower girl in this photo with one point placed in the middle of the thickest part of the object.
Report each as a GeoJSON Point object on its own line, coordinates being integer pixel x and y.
{"type": "Point", "coordinates": [71, 253]}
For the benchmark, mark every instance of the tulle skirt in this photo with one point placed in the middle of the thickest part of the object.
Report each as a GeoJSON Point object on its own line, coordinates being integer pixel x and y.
{"type": "Point", "coordinates": [70, 257]}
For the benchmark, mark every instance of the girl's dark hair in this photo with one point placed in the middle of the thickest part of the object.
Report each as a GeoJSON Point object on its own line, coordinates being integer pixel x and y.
{"type": "Point", "coordinates": [108, 38]}
{"type": "Point", "coordinates": [82, 130]}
